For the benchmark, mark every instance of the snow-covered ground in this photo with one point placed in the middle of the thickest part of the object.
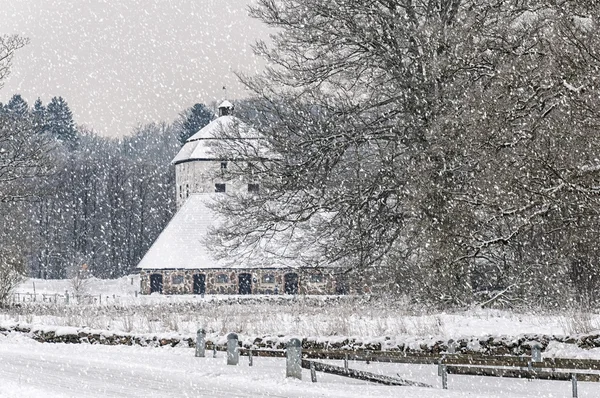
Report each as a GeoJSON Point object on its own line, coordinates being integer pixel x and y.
{"type": "Point", "coordinates": [31, 369]}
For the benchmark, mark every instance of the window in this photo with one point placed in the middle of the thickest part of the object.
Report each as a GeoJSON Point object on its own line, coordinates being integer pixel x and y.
{"type": "Point", "coordinates": [317, 278]}
{"type": "Point", "coordinates": [222, 278]}
{"type": "Point", "coordinates": [223, 166]}
{"type": "Point", "coordinates": [219, 187]}
{"type": "Point", "coordinates": [180, 192]}
{"type": "Point", "coordinates": [187, 190]}
{"type": "Point", "coordinates": [268, 278]}
{"type": "Point", "coordinates": [177, 279]}
{"type": "Point", "coordinates": [253, 188]}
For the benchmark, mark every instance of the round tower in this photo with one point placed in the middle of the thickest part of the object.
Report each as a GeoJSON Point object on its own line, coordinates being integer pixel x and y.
{"type": "Point", "coordinates": [199, 168]}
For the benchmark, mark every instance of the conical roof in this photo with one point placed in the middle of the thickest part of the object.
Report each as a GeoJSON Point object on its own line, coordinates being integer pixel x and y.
{"type": "Point", "coordinates": [201, 146]}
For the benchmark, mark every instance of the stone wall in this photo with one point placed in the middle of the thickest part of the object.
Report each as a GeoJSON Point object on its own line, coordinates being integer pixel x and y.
{"type": "Point", "coordinates": [486, 345]}
{"type": "Point", "coordinates": [311, 281]}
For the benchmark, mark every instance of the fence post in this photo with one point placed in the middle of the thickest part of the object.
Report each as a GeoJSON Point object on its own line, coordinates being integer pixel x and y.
{"type": "Point", "coordinates": [536, 352]}
{"type": "Point", "coordinates": [442, 371]}
{"type": "Point", "coordinates": [66, 297]}
{"type": "Point", "coordinates": [250, 357]}
{"type": "Point", "coordinates": [574, 385]}
{"type": "Point", "coordinates": [136, 293]}
{"type": "Point", "coordinates": [293, 356]}
{"type": "Point", "coordinates": [451, 347]}
{"type": "Point", "coordinates": [233, 354]}
{"type": "Point", "coordinates": [214, 350]}
{"type": "Point", "coordinates": [346, 361]}
{"type": "Point", "coordinates": [201, 343]}
{"type": "Point", "coordinates": [313, 372]}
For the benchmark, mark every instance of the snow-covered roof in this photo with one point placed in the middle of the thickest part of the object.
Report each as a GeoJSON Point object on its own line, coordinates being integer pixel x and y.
{"type": "Point", "coordinates": [201, 146]}
{"type": "Point", "coordinates": [181, 244]}
{"type": "Point", "coordinates": [226, 104]}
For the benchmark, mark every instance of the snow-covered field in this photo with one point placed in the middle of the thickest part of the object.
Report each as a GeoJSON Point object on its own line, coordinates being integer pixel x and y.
{"type": "Point", "coordinates": [113, 305]}
{"type": "Point", "coordinates": [30, 369]}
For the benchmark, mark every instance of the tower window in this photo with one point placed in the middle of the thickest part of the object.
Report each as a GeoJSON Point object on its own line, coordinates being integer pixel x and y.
{"type": "Point", "coordinates": [187, 190]}
{"type": "Point", "coordinates": [253, 188]}
{"type": "Point", "coordinates": [223, 166]}
{"type": "Point", "coordinates": [219, 187]}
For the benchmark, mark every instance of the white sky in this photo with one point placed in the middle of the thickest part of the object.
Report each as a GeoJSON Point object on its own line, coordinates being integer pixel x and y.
{"type": "Point", "coordinates": [120, 63]}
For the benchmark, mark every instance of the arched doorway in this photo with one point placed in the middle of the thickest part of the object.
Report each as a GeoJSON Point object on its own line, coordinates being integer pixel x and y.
{"type": "Point", "coordinates": [291, 283]}
{"type": "Point", "coordinates": [245, 284]}
{"type": "Point", "coordinates": [156, 283]}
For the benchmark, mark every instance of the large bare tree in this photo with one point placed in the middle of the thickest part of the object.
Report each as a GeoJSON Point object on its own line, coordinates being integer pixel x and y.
{"type": "Point", "coordinates": [451, 143]}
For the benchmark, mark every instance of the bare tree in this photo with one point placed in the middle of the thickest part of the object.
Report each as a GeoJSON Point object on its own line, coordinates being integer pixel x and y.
{"type": "Point", "coordinates": [435, 139]}
{"type": "Point", "coordinates": [8, 45]}
{"type": "Point", "coordinates": [12, 271]}
{"type": "Point", "coordinates": [26, 155]}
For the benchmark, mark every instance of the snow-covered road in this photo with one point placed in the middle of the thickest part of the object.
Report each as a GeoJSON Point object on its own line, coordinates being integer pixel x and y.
{"type": "Point", "coordinates": [31, 369]}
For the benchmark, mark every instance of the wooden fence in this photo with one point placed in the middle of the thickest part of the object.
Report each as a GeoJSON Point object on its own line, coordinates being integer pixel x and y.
{"type": "Point", "coordinates": [66, 298]}
{"type": "Point", "coordinates": [559, 369]}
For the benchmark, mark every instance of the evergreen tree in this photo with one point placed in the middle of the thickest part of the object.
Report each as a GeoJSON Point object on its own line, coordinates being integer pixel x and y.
{"type": "Point", "coordinates": [192, 120]}
{"type": "Point", "coordinates": [18, 106]}
{"type": "Point", "coordinates": [59, 121]}
{"type": "Point", "coordinates": [39, 115]}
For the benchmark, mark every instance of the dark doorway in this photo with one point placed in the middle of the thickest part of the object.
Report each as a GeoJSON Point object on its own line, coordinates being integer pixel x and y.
{"type": "Point", "coordinates": [342, 286]}
{"type": "Point", "coordinates": [156, 283]}
{"type": "Point", "coordinates": [199, 284]}
{"type": "Point", "coordinates": [291, 284]}
{"type": "Point", "coordinates": [245, 283]}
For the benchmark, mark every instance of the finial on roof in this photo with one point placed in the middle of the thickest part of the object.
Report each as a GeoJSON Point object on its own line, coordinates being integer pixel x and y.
{"type": "Point", "coordinates": [226, 108]}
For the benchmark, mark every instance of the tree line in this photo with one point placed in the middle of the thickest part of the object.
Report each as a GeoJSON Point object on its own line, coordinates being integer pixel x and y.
{"type": "Point", "coordinates": [76, 199]}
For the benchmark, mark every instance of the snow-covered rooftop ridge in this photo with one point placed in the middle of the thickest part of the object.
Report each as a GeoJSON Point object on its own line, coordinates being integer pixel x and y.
{"type": "Point", "coordinates": [214, 128]}
{"type": "Point", "coordinates": [226, 104]}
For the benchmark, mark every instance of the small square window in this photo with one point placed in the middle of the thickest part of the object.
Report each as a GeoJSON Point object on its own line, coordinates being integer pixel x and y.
{"type": "Point", "coordinates": [223, 165]}
{"type": "Point", "coordinates": [177, 279]}
{"type": "Point", "coordinates": [219, 187]}
{"type": "Point", "coordinates": [253, 188]}
{"type": "Point", "coordinates": [268, 278]}
{"type": "Point", "coordinates": [222, 278]}
{"type": "Point", "coordinates": [317, 278]}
